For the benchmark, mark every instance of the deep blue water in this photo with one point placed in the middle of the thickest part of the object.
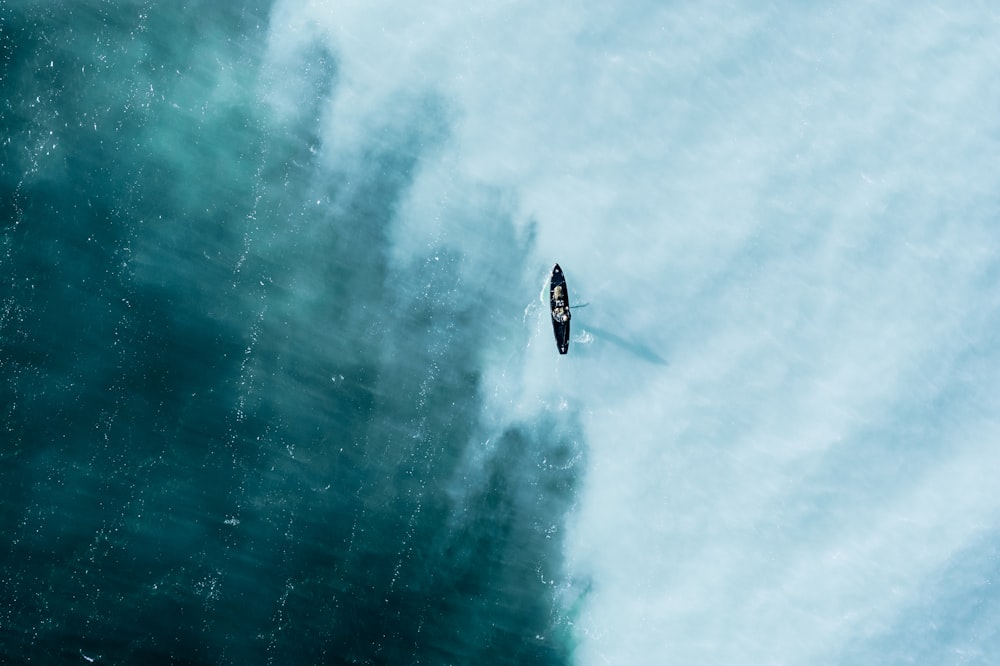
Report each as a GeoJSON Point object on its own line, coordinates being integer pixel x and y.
{"type": "Point", "coordinates": [277, 382]}
{"type": "Point", "coordinates": [231, 429]}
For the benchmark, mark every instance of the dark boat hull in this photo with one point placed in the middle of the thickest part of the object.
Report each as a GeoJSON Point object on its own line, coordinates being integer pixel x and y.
{"type": "Point", "coordinates": [559, 308]}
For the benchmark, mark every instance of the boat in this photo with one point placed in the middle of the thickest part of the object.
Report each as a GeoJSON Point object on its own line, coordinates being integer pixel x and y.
{"type": "Point", "coordinates": [559, 304]}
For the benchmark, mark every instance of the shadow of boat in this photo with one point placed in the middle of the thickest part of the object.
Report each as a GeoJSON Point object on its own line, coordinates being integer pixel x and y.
{"type": "Point", "coordinates": [633, 347]}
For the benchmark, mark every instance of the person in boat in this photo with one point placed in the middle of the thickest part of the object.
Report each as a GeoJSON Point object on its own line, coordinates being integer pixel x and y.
{"type": "Point", "coordinates": [559, 310]}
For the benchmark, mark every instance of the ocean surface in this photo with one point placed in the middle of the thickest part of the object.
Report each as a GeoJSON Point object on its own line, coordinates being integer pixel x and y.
{"type": "Point", "coordinates": [277, 379]}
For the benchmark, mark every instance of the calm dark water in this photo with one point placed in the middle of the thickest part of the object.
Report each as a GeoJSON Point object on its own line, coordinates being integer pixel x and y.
{"type": "Point", "coordinates": [233, 431]}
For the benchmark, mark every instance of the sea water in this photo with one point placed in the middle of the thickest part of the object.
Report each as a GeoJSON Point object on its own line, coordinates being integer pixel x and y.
{"type": "Point", "coordinates": [277, 381]}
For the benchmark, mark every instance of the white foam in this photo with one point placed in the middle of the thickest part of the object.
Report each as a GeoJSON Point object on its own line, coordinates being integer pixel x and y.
{"type": "Point", "coordinates": [796, 212]}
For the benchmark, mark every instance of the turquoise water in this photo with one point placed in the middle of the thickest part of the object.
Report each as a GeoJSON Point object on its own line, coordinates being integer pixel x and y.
{"type": "Point", "coordinates": [233, 431]}
{"type": "Point", "coordinates": [278, 384]}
